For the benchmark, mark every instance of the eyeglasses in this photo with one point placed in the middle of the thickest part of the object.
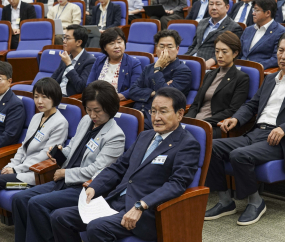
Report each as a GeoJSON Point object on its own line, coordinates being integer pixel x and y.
{"type": "Point", "coordinates": [155, 112]}
{"type": "Point", "coordinates": [256, 10]}
{"type": "Point", "coordinates": [65, 38]}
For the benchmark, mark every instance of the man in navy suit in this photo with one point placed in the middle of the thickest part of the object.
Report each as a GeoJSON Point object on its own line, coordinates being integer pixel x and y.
{"type": "Point", "coordinates": [12, 111]}
{"type": "Point", "coordinates": [167, 71]}
{"type": "Point", "coordinates": [73, 70]}
{"type": "Point", "coordinates": [242, 12]}
{"type": "Point", "coordinates": [263, 143]}
{"type": "Point", "coordinates": [259, 42]}
{"type": "Point", "coordinates": [140, 181]}
{"type": "Point", "coordinates": [280, 14]}
{"type": "Point", "coordinates": [199, 10]}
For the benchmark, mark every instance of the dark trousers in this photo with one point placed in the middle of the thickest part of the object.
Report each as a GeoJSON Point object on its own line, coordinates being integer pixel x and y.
{"type": "Point", "coordinates": [7, 178]}
{"type": "Point", "coordinates": [134, 16]}
{"type": "Point", "coordinates": [32, 209]}
{"type": "Point", "coordinates": [164, 19]}
{"type": "Point", "coordinates": [15, 41]}
{"type": "Point", "coordinates": [66, 225]}
{"type": "Point", "coordinates": [244, 153]}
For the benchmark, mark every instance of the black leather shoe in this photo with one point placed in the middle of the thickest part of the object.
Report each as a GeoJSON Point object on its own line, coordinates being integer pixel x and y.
{"type": "Point", "coordinates": [219, 211]}
{"type": "Point", "coordinates": [251, 214]}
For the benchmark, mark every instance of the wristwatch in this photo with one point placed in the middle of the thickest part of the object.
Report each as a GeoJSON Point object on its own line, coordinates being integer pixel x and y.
{"type": "Point", "coordinates": [138, 206]}
{"type": "Point", "coordinates": [159, 68]}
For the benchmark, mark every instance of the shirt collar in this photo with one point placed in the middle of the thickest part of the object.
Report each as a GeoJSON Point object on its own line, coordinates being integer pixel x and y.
{"type": "Point", "coordinates": [249, 4]}
{"type": "Point", "coordinates": [265, 26]}
{"type": "Point", "coordinates": [204, 1]}
{"type": "Point", "coordinates": [1, 96]}
{"type": "Point", "coordinates": [163, 136]}
{"type": "Point", "coordinates": [278, 76]}
{"type": "Point", "coordinates": [19, 5]}
{"type": "Point", "coordinates": [78, 56]}
{"type": "Point", "coordinates": [217, 24]}
{"type": "Point", "coordinates": [105, 8]}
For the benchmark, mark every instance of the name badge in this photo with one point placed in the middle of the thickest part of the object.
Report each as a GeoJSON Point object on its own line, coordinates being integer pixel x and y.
{"type": "Point", "coordinates": [18, 21]}
{"type": "Point", "coordinates": [159, 160]}
{"type": "Point", "coordinates": [2, 117]}
{"type": "Point", "coordinates": [92, 145]}
{"type": "Point", "coordinates": [39, 136]}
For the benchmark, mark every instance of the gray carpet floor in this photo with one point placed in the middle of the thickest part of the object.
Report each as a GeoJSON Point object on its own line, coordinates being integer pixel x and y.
{"type": "Point", "coordinates": [271, 227]}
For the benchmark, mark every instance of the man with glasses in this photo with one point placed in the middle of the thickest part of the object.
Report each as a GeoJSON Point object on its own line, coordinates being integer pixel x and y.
{"type": "Point", "coordinates": [259, 41]}
{"type": "Point", "coordinates": [12, 112]}
{"type": "Point", "coordinates": [158, 167]}
{"type": "Point", "coordinates": [74, 69]}
{"type": "Point", "coordinates": [167, 71]}
{"type": "Point", "coordinates": [209, 28]}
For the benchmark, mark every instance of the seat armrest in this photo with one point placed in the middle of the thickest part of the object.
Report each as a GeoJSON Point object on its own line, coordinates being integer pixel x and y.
{"type": "Point", "coordinates": [22, 82]}
{"type": "Point", "coordinates": [187, 108]}
{"type": "Point", "coordinates": [186, 11]}
{"type": "Point", "coordinates": [44, 167]}
{"type": "Point", "coordinates": [8, 152]}
{"type": "Point", "coordinates": [271, 70]}
{"type": "Point", "coordinates": [214, 67]}
{"type": "Point", "coordinates": [76, 96]}
{"type": "Point", "coordinates": [87, 183]}
{"type": "Point", "coordinates": [126, 30]}
{"type": "Point", "coordinates": [127, 103]}
{"type": "Point", "coordinates": [3, 54]}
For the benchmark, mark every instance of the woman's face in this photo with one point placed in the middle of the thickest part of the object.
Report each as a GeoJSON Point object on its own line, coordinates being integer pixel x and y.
{"type": "Point", "coordinates": [43, 103]}
{"type": "Point", "coordinates": [115, 49]}
{"type": "Point", "coordinates": [96, 113]}
{"type": "Point", "coordinates": [224, 54]}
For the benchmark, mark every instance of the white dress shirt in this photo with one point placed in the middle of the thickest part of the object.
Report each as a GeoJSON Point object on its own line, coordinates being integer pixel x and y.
{"type": "Point", "coordinates": [271, 110]}
{"type": "Point", "coordinates": [64, 80]}
{"type": "Point", "coordinates": [134, 5]}
{"type": "Point", "coordinates": [202, 10]}
{"type": "Point", "coordinates": [15, 16]}
{"type": "Point", "coordinates": [283, 11]}
{"type": "Point", "coordinates": [237, 18]}
{"type": "Point", "coordinates": [260, 32]}
{"type": "Point", "coordinates": [103, 16]}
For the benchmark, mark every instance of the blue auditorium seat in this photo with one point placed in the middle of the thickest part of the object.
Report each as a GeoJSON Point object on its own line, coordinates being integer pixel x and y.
{"type": "Point", "coordinates": [231, 5]}
{"type": "Point", "coordinates": [145, 2]}
{"type": "Point", "coordinates": [124, 11]}
{"type": "Point", "coordinates": [143, 57]}
{"type": "Point", "coordinates": [141, 35]}
{"type": "Point", "coordinates": [5, 36]}
{"type": "Point", "coordinates": [50, 61]}
{"type": "Point", "coordinates": [39, 8]}
{"type": "Point", "coordinates": [187, 31]}
{"type": "Point", "coordinates": [1, 9]}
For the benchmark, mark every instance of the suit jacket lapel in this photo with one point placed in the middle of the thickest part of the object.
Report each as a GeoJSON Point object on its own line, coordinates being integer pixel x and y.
{"type": "Point", "coordinates": [123, 72]}
{"type": "Point", "coordinates": [80, 60]}
{"type": "Point", "coordinates": [109, 14]}
{"type": "Point", "coordinates": [5, 99]}
{"type": "Point", "coordinates": [201, 33]}
{"type": "Point", "coordinates": [228, 78]}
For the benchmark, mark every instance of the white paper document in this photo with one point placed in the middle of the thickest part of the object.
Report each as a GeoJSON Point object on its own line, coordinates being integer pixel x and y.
{"type": "Point", "coordinates": [97, 208]}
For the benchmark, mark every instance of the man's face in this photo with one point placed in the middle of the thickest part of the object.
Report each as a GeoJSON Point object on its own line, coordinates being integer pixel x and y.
{"type": "Point", "coordinates": [69, 43]}
{"type": "Point", "coordinates": [62, 2]}
{"type": "Point", "coordinates": [4, 84]}
{"type": "Point", "coordinates": [218, 9]}
{"type": "Point", "coordinates": [163, 117]}
{"type": "Point", "coordinates": [259, 16]}
{"type": "Point", "coordinates": [14, 3]}
{"type": "Point", "coordinates": [169, 44]}
{"type": "Point", "coordinates": [281, 55]}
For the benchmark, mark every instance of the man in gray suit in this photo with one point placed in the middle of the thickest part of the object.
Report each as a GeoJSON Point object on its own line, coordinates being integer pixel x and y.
{"type": "Point", "coordinates": [209, 28]}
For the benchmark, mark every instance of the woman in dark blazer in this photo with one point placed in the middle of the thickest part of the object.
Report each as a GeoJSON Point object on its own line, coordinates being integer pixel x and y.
{"type": "Point", "coordinates": [224, 89]}
{"type": "Point", "coordinates": [115, 67]}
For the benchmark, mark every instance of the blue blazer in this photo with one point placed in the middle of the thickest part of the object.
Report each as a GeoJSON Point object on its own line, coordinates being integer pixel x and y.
{"type": "Point", "coordinates": [235, 10]}
{"type": "Point", "coordinates": [129, 72]}
{"type": "Point", "coordinates": [279, 15]}
{"type": "Point", "coordinates": [78, 76]}
{"type": "Point", "coordinates": [113, 15]}
{"type": "Point", "coordinates": [11, 128]}
{"type": "Point", "coordinates": [154, 184]}
{"type": "Point", "coordinates": [264, 51]}
{"type": "Point", "coordinates": [193, 14]}
{"type": "Point", "coordinates": [257, 104]}
{"type": "Point", "coordinates": [149, 81]}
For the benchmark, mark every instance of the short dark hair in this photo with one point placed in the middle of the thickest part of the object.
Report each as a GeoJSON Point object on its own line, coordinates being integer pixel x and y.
{"type": "Point", "coordinates": [6, 69]}
{"type": "Point", "coordinates": [281, 38]}
{"type": "Point", "coordinates": [231, 40]}
{"type": "Point", "coordinates": [79, 33]}
{"type": "Point", "coordinates": [105, 94]}
{"type": "Point", "coordinates": [165, 33]}
{"type": "Point", "coordinates": [266, 5]}
{"type": "Point", "coordinates": [178, 98]}
{"type": "Point", "coordinates": [49, 87]}
{"type": "Point", "coordinates": [227, 2]}
{"type": "Point", "coordinates": [110, 35]}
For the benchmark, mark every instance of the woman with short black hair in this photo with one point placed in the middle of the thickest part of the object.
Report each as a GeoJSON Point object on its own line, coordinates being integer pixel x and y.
{"type": "Point", "coordinates": [98, 142]}
{"type": "Point", "coordinates": [115, 67]}
{"type": "Point", "coordinates": [47, 128]}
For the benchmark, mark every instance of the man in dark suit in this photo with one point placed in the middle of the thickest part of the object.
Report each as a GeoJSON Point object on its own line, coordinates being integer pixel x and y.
{"type": "Point", "coordinates": [16, 12]}
{"type": "Point", "coordinates": [12, 112]}
{"type": "Point", "coordinates": [73, 70]}
{"type": "Point", "coordinates": [280, 14]}
{"type": "Point", "coordinates": [167, 71]}
{"type": "Point", "coordinates": [242, 12]}
{"type": "Point", "coordinates": [199, 11]}
{"type": "Point", "coordinates": [209, 28]}
{"type": "Point", "coordinates": [139, 180]}
{"type": "Point", "coordinates": [263, 143]}
{"type": "Point", "coordinates": [259, 42]}
{"type": "Point", "coordinates": [89, 7]}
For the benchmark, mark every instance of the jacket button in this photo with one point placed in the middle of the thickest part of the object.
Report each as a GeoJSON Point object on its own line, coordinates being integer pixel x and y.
{"type": "Point", "coordinates": [130, 181]}
{"type": "Point", "coordinates": [142, 105]}
{"type": "Point", "coordinates": [142, 110]}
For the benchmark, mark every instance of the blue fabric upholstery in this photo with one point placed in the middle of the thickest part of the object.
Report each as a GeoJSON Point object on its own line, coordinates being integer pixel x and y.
{"type": "Point", "coordinates": [1, 9]}
{"type": "Point", "coordinates": [254, 76]}
{"type": "Point", "coordinates": [4, 36]}
{"type": "Point", "coordinates": [143, 59]}
{"type": "Point", "coordinates": [82, 10]}
{"type": "Point", "coordinates": [95, 54]}
{"type": "Point", "coordinates": [195, 68]}
{"type": "Point", "coordinates": [39, 11]}
{"type": "Point", "coordinates": [129, 124]}
{"type": "Point", "coordinates": [145, 2]}
{"type": "Point", "coordinates": [6, 199]}
{"type": "Point", "coordinates": [231, 5]}
{"type": "Point", "coordinates": [124, 12]}
{"type": "Point", "coordinates": [141, 37]}
{"type": "Point", "coordinates": [187, 33]}
{"type": "Point", "coordinates": [188, 3]}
